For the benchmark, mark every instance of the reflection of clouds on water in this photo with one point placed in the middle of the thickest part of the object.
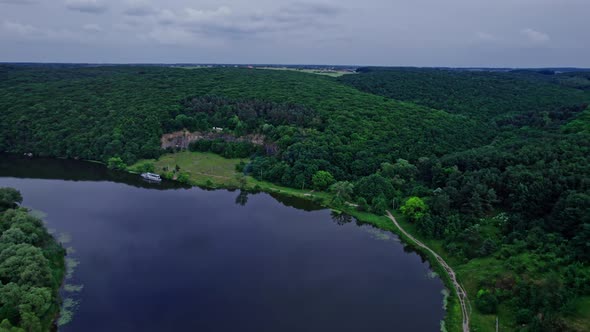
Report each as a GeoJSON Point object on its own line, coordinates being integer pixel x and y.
{"type": "Point", "coordinates": [319, 250]}
{"type": "Point", "coordinates": [380, 235]}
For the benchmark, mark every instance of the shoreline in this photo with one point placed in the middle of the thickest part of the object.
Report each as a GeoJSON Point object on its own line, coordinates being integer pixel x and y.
{"type": "Point", "coordinates": [453, 319]}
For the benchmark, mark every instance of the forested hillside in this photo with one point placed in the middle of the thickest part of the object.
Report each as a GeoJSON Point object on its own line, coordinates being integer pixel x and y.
{"type": "Point", "coordinates": [492, 167]}
{"type": "Point", "coordinates": [520, 205]}
{"type": "Point", "coordinates": [488, 95]}
{"type": "Point", "coordinates": [97, 113]}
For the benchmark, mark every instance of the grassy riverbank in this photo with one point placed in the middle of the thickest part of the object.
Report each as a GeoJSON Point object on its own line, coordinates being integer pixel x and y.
{"type": "Point", "coordinates": [213, 171]}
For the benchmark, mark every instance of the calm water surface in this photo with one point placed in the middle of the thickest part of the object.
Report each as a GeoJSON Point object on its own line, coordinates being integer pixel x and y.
{"type": "Point", "coordinates": [167, 258]}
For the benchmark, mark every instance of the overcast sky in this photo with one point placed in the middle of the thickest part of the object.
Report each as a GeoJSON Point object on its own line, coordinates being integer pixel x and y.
{"type": "Point", "coordinates": [492, 33]}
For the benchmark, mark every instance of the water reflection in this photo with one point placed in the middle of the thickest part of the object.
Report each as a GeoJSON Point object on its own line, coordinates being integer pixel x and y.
{"type": "Point", "coordinates": [153, 259]}
{"type": "Point", "coordinates": [296, 202]}
{"type": "Point", "coordinates": [242, 198]}
{"type": "Point", "coordinates": [341, 218]}
{"type": "Point", "coordinates": [74, 170]}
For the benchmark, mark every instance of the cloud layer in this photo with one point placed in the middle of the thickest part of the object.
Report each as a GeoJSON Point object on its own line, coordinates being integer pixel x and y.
{"type": "Point", "coordinates": [18, 2]}
{"type": "Point", "coordinates": [535, 36]}
{"type": "Point", "coordinates": [384, 32]}
{"type": "Point", "coordinates": [87, 6]}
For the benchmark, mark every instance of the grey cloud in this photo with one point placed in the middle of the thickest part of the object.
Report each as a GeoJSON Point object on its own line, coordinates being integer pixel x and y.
{"type": "Point", "coordinates": [140, 10]}
{"type": "Point", "coordinates": [307, 13]}
{"type": "Point", "coordinates": [535, 36]}
{"type": "Point", "coordinates": [19, 2]}
{"type": "Point", "coordinates": [310, 8]}
{"type": "Point", "coordinates": [19, 28]}
{"type": "Point", "coordinates": [223, 22]}
{"type": "Point", "coordinates": [92, 28]}
{"type": "Point", "coordinates": [485, 36]}
{"type": "Point", "coordinates": [30, 32]}
{"type": "Point", "coordinates": [87, 6]}
{"type": "Point", "coordinates": [381, 32]}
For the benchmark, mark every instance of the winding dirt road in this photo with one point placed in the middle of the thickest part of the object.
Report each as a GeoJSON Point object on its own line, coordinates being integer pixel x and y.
{"type": "Point", "coordinates": [461, 294]}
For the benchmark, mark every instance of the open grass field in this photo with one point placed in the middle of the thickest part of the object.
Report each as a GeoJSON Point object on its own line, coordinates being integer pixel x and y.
{"type": "Point", "coordinates": [213, 171]}
{"type": "Point", "coordinates": [205, 169]}
{"type": "Point", "coordinates": [331, 73]}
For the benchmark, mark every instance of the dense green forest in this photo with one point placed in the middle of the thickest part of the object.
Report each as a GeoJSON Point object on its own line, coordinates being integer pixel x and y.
{"type": "Point", "coordinates": [523, 201]}
{"type": "Point", "coordinates": [31, 268]}
{"type": "Point", "coordinates": [485, 95]}
{"type": "Point", "coordinates": [97, 113]}
{"type": "Point", "coordinates": [495, 166]}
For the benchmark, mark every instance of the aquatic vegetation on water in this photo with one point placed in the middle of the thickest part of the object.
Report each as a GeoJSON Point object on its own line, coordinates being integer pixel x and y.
{"type": "Point", "coordinates": [64, 238]}
{"type": "Point", "coordinates": [71, 288]}
{"type": "Point", "coordinates": [71, 265]}
{"type": "Point", "coordinates": [68, 308]}
{"type": "Point", "coordinates": [70, 305]}
{"type": "Point", "coordinates": [445, 292]}
{"type": "Point", "coordinates": [38, 214]}
{"type": "Point", "coordinates": [379, 235]}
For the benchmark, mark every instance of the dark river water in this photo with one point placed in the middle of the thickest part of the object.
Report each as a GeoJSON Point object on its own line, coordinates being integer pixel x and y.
{"type": "Point", "coordinates": [167, 258]}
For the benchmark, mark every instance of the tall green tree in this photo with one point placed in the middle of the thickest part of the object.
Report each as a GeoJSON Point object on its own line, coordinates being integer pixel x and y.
{"type": "Point", "coordinates": [342, 190]}
{"type": "Point", "coordinates": [322, 180]}
{"type": "Point", "coordinates": [415, 209]}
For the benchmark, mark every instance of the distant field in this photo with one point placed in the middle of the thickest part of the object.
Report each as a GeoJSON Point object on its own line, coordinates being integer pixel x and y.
{"type": "Point", "coordinates": [331, 73]}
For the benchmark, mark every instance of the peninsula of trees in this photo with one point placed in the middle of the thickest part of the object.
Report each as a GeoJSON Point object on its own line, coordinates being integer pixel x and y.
{"type": "Point", "coordinates": [31, 268]}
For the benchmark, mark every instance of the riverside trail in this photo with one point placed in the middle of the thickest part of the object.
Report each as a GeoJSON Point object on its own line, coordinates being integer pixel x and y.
{"type": "Point", "coordinates": [461, 294]}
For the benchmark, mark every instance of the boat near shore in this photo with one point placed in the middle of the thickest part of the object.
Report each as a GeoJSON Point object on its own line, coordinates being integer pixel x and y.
{"type": "Point", "coordinates": [151, 177]}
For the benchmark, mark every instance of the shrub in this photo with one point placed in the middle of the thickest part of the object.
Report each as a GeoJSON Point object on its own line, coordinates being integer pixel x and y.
{"type": "Point", "coordinates": [486, 302]}
{"type": "Point", "coordinates": [146, 167]}
{"type": "Point", "coordinates": [184, 178]}
{"type": "Point", "coordinates": [116, 163]}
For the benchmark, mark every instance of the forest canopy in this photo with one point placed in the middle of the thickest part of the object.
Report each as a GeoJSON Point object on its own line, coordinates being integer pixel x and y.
{"type": "Point", "coordinates": [493, 165]}
{"type": "Point", "coordinates": [31, 268]}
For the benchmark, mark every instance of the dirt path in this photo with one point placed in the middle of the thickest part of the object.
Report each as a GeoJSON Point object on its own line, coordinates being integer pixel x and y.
{"type": "Point", "coordinates": [461, 294]}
